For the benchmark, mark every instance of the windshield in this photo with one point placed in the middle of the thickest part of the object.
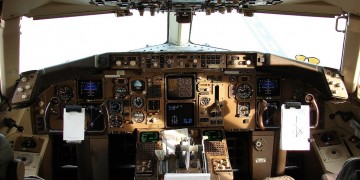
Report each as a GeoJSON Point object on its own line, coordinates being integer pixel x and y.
{"type": "Point", "coordinates": [283, 35]}
{"type": "Point", "coordinates": [45, 43]}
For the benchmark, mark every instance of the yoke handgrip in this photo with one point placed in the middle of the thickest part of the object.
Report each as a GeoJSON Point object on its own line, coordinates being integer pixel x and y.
{"type": "Point", "coordinates": [309, 98]}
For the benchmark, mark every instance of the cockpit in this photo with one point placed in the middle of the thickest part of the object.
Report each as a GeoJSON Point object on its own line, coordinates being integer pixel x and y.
{"type": "Point", "coordinates": [251, 106]}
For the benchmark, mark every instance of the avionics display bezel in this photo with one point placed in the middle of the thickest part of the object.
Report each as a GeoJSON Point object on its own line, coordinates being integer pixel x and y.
{"type": "Point", "coordinates": [172, 91]}
{"type": "Point", "coordinates": [154, 136]}
{"type": "Point", "coordinates": [187, 112]}
{"type": "Point", "coordinates": [90, 94]}
{"type": "Point", "coordinates": [268, 92]}
{"type": "Point", "coordinates": [272, 116]}
{"type": "Point", "coordinates": [213, 134]}
{"type": "Point", "coordinates": [94, 117]}
{"type": "Point", "coordinates": [135, 88]}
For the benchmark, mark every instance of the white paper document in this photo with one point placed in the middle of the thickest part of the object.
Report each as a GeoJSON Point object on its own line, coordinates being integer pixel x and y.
{"type": "Point", "coordinates": [295, 128]}
{"type": "Point", "coordinates": [74, 125]}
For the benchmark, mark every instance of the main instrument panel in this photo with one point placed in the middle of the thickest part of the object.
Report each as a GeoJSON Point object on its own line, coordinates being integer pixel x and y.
{"type": "Point", "coordinates": [185, 101]}
{"type": "Point", "coordinates": [132, 91]}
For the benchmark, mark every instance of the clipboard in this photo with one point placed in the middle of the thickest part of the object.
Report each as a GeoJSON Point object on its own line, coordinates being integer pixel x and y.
{"type": "Point", "coordinates": [295, 126]}
{"type": "Point", "coordinates": [74, 124]}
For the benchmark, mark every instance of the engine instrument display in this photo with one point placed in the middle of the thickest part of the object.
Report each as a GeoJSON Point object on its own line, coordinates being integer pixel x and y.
{"type": "Point", "coordinates": [243, 91]}
{"type": "Point", "coordinates": [180, 87]}
{"type": "Point", "coordinates": [90, 89]}
{"type": "Point", "coordinates": [150, 136]}
{"type": "Point", "coordinates": [268, 87]}
{"type": "Point", "coordinates": [213, 135]}
{"type": "Point", "coordinates": [180, 114]}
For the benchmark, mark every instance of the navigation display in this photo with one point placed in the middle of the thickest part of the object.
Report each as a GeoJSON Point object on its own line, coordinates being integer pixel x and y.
{"type": "Point", "coordinates": [213, 135]}
{"type": "Point", "coordinates": [94, 116]}
{"type": "Point", "coordinates": [180, 87]}
{"type": "Point", "coordinates": [152, 136]}
{"type": "Point", "coordinates": [90, 89]}
{"type": "Point", "coordinates": [180, 114]}
{"type": "Point", "coordinates": [268, 87]}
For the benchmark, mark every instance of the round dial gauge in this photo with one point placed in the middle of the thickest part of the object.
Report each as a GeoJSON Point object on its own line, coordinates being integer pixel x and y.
{"type": "Point", "coordinates": [116, 107]}
{"type": "Point", "coordinates": [121, 92]}
{"type": "Point", "coordinates": [138, 102]}
{"type": "Point", "coordinates": [204, 101]}
{"type": "Point", "coordinates": [243, 91]}
{"type": "Point", "coordinates": [65, 93]}
{"type": "Point", "coordinates": [115, 120]}
{"type": "Point", "coordinates": [244, 109]}
{"type": "Point", "coordinates": [138, 117]}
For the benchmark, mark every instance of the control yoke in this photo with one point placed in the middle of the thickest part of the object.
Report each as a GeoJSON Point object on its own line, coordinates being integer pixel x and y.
{"type": "Point", "coordinates": [262, 107]}
{"type": "Point", "coordinates": [309, 98]}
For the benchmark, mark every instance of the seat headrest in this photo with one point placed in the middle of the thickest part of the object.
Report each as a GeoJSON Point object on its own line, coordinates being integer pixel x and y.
{"type": "Point", "coordinates": [350, 170]}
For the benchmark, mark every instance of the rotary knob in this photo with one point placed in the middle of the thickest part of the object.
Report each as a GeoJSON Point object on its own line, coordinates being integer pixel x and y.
{"type": "Point", "coordinates": [41, 103]}
{"type": "Point", "coordinates": [132, 63]}
{"type": "Point", "coordinates": [118, 63]}
{"type": "Point", "coordinates": [181, 63]}
{"type": "Point", "coordinates": [259, 144]}
{"type": "Point", "coordinates": [24, 79]}
{"type": "Point", "coordinates": [20, 89]}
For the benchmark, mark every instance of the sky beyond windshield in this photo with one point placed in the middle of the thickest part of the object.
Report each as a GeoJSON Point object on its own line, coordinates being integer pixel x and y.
{"type": "Point", "coordinates": [50, 42]}
{"type": "Point", "coordinates": [282, 35]}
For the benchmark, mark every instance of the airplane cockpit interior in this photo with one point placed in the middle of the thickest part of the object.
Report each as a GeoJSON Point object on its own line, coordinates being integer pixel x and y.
{"type": "Point", "coordinates": [181, 109]}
